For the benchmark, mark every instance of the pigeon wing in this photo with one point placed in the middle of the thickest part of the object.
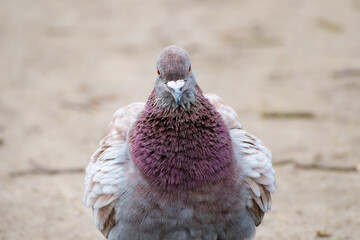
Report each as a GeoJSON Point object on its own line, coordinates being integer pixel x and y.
{"type": "Point", "coordinates": [253, 158]}
{"type": "Point", "coordinates": [106, 175]}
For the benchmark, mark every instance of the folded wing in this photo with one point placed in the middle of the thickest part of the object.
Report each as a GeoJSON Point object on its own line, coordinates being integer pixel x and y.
{"type": "Point", "coordinates": [106, 175]}
{"type": "Point", "coordinates": [253, 158]}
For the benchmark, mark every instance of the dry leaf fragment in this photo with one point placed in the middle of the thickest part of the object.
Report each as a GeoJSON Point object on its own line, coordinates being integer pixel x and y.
{"type": "Point", "coordinates": [323, 234]}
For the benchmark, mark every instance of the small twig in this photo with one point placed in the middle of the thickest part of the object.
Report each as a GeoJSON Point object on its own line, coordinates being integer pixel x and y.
{"type": "Point", "coordinates": [40, 170]}
{"type": "Point", "coordinates": [75, 105]}
{"type": "Point", "coordinates": [326, 168]}
{"type": "Point", "coordinates": [92, 102]}
{"type": "Point", "coordinates": [347, 73]}
{"type": "Point", "coordinates": [283, 162]}
{"type": "Point", "coordinates": [316, 166]}
{"type": "Point", "coordinates": [287, 114]}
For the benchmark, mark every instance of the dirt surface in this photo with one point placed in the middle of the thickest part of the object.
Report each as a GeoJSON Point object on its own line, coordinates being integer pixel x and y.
{"type": "Point", "coordinates": [291, 69]}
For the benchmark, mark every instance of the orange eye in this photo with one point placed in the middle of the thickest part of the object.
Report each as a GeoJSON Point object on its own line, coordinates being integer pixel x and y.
{"type": "Point", "coordinates": [190, 69]}
{"type": "Point", "coordinates": [158, 72]}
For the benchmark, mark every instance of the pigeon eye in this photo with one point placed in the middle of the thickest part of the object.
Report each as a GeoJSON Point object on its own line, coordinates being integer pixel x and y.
{"type": "Point", "coordinates": [158, 72]}
{"type": "Point", "coordinates": [190, 69]}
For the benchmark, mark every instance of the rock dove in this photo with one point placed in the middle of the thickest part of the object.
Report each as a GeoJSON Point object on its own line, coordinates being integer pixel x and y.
{"type": "Point", "coordinates": [179, 166]}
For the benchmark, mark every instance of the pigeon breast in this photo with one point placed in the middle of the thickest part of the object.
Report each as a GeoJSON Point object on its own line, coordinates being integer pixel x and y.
{"type": "Point", "coordinates": [181, 149]}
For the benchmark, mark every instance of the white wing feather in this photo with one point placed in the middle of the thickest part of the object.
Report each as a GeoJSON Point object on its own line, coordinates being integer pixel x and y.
{"type": "Point", "coordinates": [106, 178]}
{"type": "Point", "coordinates": [252, 156]}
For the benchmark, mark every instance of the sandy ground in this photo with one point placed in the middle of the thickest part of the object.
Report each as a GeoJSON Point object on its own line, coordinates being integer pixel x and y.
{"type": "Point", "coordinates": [66, 66]}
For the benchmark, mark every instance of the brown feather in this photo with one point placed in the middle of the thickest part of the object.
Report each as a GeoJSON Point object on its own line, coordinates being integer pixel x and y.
{"type": "Point", "coordinates": [258, 213]}
{"type": "Point", "coordinates": [110, 221]}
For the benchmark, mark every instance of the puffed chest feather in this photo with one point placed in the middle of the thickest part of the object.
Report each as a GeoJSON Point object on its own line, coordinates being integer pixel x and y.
{"type": "Point", "coordinates": [216, 211]}
{"type": "Point", "coordinates": [181, 149]}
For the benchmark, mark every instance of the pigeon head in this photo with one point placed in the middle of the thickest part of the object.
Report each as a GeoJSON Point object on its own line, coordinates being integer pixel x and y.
{"type": "Point", "coordinates": [175, 82]}
{"type": "Point", "coordinates": [179, 140]}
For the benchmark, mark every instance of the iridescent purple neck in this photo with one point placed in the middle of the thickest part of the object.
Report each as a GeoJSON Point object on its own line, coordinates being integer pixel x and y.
{"type": "Point", "coordinates": [178, 149]}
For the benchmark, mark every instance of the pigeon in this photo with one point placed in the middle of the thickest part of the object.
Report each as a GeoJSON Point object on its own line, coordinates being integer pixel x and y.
{"type": "Point", "coordinates": [179, 166]}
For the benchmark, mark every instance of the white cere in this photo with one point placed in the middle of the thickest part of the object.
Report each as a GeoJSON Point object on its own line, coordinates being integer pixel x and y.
{"type": "Point", "coordinates": [176, 84]}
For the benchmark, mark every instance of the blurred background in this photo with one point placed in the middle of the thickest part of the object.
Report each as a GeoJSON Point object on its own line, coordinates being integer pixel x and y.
{"type": "Point", "coordinates": [290, 69]}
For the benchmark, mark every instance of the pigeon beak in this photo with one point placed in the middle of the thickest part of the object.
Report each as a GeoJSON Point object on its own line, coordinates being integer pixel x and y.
{"type": "Point", "coordinates": [177, 95]}
{"type": "Point", "coordinates": [176, 89]}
